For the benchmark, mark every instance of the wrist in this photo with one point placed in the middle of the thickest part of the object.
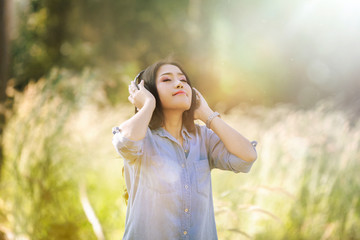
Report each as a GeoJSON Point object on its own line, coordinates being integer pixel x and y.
{"type": "Point", "coordinates": [206, 114]}
{"type": "Point", "coordinates": [211, 118]}
{"type": "Point", "coordinates": [150, 103]}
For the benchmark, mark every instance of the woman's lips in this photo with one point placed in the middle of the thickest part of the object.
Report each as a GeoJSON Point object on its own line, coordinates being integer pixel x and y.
{"type": "Point", "coordinates": [179, 92]}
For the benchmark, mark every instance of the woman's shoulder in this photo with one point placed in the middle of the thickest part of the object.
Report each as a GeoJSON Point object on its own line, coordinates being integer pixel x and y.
{"type": "Point", "coordinates": [199, 126]}
{"type": "Point", "coordinates": [200, 129]}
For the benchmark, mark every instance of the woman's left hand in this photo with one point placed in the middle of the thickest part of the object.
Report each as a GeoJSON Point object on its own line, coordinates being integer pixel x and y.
{"type": "Point", "coordinates": [203, 110]}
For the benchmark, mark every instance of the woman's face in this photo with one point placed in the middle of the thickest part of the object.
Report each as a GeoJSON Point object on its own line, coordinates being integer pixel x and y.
{"type": "Point", "coordinates": [173, 88]}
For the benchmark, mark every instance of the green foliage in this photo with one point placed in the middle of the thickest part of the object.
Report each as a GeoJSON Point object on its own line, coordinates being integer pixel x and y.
{"type": "Point", "coordinates": [237, 51]}
{"type": "Point", "coordinates": [45, 162]}
{"type": "Point", "coordinates": [305, 183]}
{"type": "Point", "coordinates": [41, 33]}
{"type": "Point", "coordinates": [79, 34]}
{"type": "Point", "coordinates": [303, 186]}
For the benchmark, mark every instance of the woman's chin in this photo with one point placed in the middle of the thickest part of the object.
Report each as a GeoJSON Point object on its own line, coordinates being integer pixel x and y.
{"type": "Point", "coordinates": [179, 106]}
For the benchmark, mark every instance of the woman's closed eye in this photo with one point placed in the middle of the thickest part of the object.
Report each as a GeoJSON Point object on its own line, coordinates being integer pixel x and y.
{"type": "Point", "coordinates": [182, 80]}
{"type": "Point", "coordinates": [169, 79]}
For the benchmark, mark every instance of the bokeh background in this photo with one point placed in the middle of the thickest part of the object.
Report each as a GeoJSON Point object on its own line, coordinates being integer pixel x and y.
{"type": "Point", "coordinates": [284, 73]}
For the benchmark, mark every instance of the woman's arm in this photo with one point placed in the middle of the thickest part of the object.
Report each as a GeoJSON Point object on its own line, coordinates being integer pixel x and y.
{"type": "Point", "coordinates": [135, 127]}
{"type": "Point", "coordinates": [234, 142]}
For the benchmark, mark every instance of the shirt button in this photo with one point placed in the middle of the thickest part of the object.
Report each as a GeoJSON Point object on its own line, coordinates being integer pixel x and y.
{"type": "Point", "coordinates": [186, 210]}
{"type": "Point", "coordinates": [186, 186]}
{"type": "Point", "coordinates": [182, 165]}
{"type": "Point", "coordinates": [185, 232]}
{"type": "Point", "coordinates": [186, 151]}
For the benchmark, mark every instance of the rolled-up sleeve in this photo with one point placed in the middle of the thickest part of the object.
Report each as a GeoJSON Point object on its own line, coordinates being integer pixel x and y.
{"type": "Point", "coordinates": [128, 149]}
{"type": "Point", "coordinates": [220, 157]}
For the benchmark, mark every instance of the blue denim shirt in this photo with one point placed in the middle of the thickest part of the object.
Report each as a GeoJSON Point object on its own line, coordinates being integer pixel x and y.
{"type": "Point", "coordinates": [169, 186]}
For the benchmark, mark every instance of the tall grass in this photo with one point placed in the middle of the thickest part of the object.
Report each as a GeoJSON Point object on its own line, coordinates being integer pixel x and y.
{"type": "Point", "coordinates": [58, 140]}
{"type": "Point", "coordinates": [304, 185]}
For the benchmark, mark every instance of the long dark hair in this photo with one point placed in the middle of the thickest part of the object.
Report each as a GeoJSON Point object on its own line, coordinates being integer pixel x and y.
{"type": "Point", "coordinates": [157, 119]}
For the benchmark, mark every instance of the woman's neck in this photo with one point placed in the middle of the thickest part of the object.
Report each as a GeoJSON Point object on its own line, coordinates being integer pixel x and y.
{"type": "Point", "coordinates": [173, 123]}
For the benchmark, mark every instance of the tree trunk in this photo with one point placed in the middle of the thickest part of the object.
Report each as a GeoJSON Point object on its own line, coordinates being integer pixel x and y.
{"type": "Point", "coordinates": [4, 57]}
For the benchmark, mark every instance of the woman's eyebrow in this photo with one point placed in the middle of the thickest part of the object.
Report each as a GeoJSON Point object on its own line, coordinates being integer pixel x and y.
{"type": "Point", "coordinates": [169, 73]}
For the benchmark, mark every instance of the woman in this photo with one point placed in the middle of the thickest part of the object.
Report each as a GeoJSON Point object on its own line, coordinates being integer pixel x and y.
{"type": "Point", "coordinates": [168, 158]}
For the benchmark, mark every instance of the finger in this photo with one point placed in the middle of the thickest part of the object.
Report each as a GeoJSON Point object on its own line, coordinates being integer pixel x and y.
{"type": "Point", "coordinates": [141, 84]}
{"type": "Point", "coordinates": [198, 94]}
{"type": "Point", "coordinates": [131, 89]}
{"type": "Point", "coordinates": [133, 85]}
{"type": "Point", "coordinates": [131, 99]}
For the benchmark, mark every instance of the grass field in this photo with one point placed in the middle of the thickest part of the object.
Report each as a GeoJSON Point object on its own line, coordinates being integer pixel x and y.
{"type": "Point", "coordinates": [305, 183]}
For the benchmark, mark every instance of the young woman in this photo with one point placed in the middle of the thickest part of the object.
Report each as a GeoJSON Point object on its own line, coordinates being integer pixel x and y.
{"type": "Point", "coordinates": [168, 158]}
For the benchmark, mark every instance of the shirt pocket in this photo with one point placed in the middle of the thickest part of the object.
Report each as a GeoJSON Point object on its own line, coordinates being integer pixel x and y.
{"type": "Point", "coordinates": [203, 177]}
{"type": "Point", "coordinates": [161, 174]}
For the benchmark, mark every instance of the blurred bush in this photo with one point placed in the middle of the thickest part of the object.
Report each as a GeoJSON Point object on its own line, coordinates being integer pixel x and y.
{"type": "Point", "coordinates": [304, 185]}
{"type": "Point", "coordinates": [50, 149]}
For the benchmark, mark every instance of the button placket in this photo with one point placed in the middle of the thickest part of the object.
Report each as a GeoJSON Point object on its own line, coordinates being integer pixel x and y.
{"type": "Point", "coordinates": [186, 146]}
{"type": "Point", "coordinates": [186, 193]}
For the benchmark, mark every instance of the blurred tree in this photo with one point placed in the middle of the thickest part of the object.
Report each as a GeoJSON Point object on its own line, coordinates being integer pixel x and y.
{"type": "Point", "coordinates": [42, 31]}
{"type": "Point", "coordinates": [235, 51]}
{"type": "Point", "coordinates": [111, 35]}
{"type": "Point", "coordinates": [4, 55]}
{"type": "Point", "coordinates": [87, 33]}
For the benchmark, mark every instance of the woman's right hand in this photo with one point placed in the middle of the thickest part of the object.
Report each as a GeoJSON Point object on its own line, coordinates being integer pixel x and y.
{"type": "Point", "coordinates": [140, 97]}
{"type": "Point", "coordinates": [135, 127]}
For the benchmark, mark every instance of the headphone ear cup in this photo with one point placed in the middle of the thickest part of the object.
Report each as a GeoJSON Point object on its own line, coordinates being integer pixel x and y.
{"type": "Point", "coordinates": [137, 79]}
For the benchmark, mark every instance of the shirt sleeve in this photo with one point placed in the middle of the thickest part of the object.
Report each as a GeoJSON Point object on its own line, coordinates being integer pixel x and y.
{"type": "Point", "coordinates": [128, 149]}
{"type": "Point", "coordinates": [220, 157]}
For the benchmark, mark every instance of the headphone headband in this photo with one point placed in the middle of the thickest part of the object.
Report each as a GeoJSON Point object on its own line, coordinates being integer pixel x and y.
{"type": "Point", "coordinates": [137, 77]}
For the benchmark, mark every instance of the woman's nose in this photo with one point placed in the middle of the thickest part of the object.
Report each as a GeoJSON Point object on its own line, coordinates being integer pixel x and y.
{"type": "Point", "coordinates": [179, 84]}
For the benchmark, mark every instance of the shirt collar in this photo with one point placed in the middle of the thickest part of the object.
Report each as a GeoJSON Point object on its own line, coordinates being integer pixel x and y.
{"type": "Point", "coordinates": [163, 133]}
{"type": "Point", "coordinates": [184, 130]}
